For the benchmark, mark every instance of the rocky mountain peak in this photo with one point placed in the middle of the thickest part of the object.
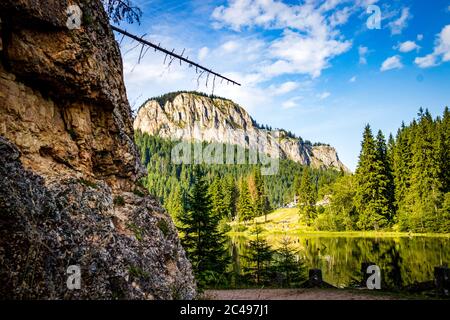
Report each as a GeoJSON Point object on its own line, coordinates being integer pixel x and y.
{"type": "Point", "coordinates": [194, 116]}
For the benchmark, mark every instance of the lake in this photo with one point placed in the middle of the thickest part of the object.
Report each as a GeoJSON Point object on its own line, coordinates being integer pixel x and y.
{"type": "Point", "coordinates": [403, 260]}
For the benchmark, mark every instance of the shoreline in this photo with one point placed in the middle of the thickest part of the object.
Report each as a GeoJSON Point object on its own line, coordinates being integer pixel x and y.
{"type": "Point", "coordinates": [308, 294]}
{"type": "Point", "coordinates": [347, 234]}
{"type": "Point", "coordinates": [287, 222]}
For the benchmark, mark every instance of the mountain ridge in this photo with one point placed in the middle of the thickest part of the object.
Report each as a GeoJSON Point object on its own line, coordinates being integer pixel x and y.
{"type": "Point", "coordinates": [200, 117]}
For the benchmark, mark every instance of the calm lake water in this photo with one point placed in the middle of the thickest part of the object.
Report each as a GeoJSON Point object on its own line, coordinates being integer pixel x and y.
{"type": "Point", "coordinates": [402, 260]}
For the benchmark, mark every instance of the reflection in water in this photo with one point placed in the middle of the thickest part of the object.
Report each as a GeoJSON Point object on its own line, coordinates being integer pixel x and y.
{"type": "Point", "coordinates": [403, 260]}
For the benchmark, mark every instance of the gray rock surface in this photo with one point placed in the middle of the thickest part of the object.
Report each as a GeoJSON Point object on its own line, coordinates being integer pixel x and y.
{"type": "Point", "coordinates": [69, 168]}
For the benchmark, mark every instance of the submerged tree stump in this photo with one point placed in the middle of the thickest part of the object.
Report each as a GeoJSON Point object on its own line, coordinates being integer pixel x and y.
{"type": "Point", "coordinates": [315, 278]}
{"type": "Point", "coordinates": [442, 280]}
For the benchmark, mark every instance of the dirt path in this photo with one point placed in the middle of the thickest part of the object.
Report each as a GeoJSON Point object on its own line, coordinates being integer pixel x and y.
{"type": "Point", "coordinates": [295, 294]}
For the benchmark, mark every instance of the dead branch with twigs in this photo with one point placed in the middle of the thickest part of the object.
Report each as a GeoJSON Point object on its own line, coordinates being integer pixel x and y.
{"type": "Point", "coordinates": [172, 57]}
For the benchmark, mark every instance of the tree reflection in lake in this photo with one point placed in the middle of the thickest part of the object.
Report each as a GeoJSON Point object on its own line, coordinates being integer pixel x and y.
{"type": "Point", "coordinates": [403, 260]}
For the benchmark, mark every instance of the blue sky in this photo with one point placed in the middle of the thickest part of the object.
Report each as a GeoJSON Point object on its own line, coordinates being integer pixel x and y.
{"type": "Point", "coordinates": [312, 67]}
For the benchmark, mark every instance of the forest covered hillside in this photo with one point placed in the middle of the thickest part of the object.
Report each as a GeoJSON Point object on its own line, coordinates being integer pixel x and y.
{"type": "Point", "coordinates": [400, 184]}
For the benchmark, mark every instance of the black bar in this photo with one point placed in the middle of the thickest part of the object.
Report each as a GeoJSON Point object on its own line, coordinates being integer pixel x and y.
{"type": "Point", "coordinates": [189, 310]}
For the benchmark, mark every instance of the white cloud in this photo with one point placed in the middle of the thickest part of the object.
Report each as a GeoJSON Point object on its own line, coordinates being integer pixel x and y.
{"type": "Point", "coordinates": [239, 14]}
{"type": "Point", "coordinates": [284, 88]}
{"type": "Point", "coordinates": [444, 44]}
{"type": "Point", "coordinates": [407, 46]}
{"type": "Point", "coordinates": [291, 103]}
{"type": "Point", "coordinates": [391, 63]}
{"type": "Point", "coordinates": [203, 53]}
{"type": "Point", "coordinates": [366, 3]}
{"type": "Point", "coordinates": [426, 62]}
{"type": "Point", "coordinates": [401, 23]}
{"type": "Point", "coordinates": [150, 71]}
{"type": "Point", "coordinates": [230, 46]}
{"type": "Point", "coordinates": [340, 17]}
{"type": "Point", "coordinates": [441, 52]}
{"type": "Point", "coordinates": [323, 95]}
{"type": "Point", "coordinates": [419, 37]}
{"type": "Point", "coordinates": [309, 40]}
{"type": "Point", "coordinates": [353, 79]}
{"type": "Point", "coordinates": [330, 5]}
{"type": "Point", "coordinates": [138, 76]}
{"type": "Point", "coordinates": [250, 97]}
{"type": "Point", "coordinates": [296, 53]}
{"type": "Point", "coordinates": [363, 52]}
{"type": "Point", "coordinates": [239, 50]}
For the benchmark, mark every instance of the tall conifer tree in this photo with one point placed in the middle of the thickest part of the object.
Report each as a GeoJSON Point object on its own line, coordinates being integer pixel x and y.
{"type": "Point", "coordinates": [386, 181]}
{"type": "Point", "coordinates": [203, 242]}
{"type": "Point", "coordinates": [425, 194]}
{"type": "Point", "coordinates": [370, 200]}
{"type": "Point", "coordinates": [244, 207]}
{"type": "Point", "coordinates": [230, 196]}
{"type": "Point", "coordinates": [217, 193]}
{"type": "Point", "coordinates": [307, 200]}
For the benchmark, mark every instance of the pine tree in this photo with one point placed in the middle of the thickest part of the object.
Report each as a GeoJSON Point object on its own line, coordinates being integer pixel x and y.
{"type": "Point", "coordinates": [444, 212]}
{"type": "Point", "coordinates": [341, 214]}
{"type": "Point", "coordinates": [204, 244]}
{"type": "Point", "coordinates": [258, 193]}
{"type": "Point", "coordinates": [258, 257]}
{"type": "Point", "coordinates": [216, 191]}
{"type": "Point", "coordinates": [444, 215]}
{"type": "Point", "coordinates": [254, 193]}
{"type": "Point", "coordinates": [296, 185]}
{"type": "Point", "coordinates": [288, 263]}
{"type": "Point", "coordinates": [445, 150]}
{"type": "Point", "coordinates": [402, 173]}
{"type": "Point", "coordinates": [386, 179]}
{"type": "Point", "coordinates": [371, 184]}
{"type": "Point", "coordinates": [230, 196]}
{"type": "Point", "coordinates": [163, 175]}
{"type": "Point", "coordinates": [391, 147]}
{"type": "Point", "coordinates": [424, 197]}
{"type": "Point", "coordinates": [175, 203]}
{"type": "Point", "coordinates": [244, 207]}
{"type": "Point", "coordinates": [307, 200]}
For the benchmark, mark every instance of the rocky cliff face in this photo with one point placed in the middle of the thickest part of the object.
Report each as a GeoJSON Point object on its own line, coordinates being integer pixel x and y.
{"type": "Point", "coordinates": [189, 116]}
{"type": "Point", "coordinates": [69, 167]}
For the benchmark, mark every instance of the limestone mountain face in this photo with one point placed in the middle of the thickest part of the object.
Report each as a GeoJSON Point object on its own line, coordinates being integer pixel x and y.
{"type": "Point", "coordinates": [190, 116]}
{"type": "Point", "coordinates": [69, 167]}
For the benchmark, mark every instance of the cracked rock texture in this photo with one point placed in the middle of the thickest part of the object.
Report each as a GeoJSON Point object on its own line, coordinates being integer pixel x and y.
{"type": "Point", "coordinates": [69, 170]}
{"type": "Point", "coordinates": [189, 116]}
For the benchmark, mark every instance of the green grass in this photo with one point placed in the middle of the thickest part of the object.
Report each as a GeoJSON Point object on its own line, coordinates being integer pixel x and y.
{"type": "Point", "coordinates": [280, 221]}
{"type": "Point", "coordinates": [286, 221]}
{"type": "Point", "coordinates": [138, 272]}
{"type": "Point", "coordinates": [119, 201]}
{"type": "Point", "coordinates": [138, 232]}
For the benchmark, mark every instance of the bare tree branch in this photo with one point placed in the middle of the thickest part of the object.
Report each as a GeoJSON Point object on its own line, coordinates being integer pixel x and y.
{"type": "Point", "coordinates": [173, 56]}
{"type": "Point", "coordinates": [119, 10]}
